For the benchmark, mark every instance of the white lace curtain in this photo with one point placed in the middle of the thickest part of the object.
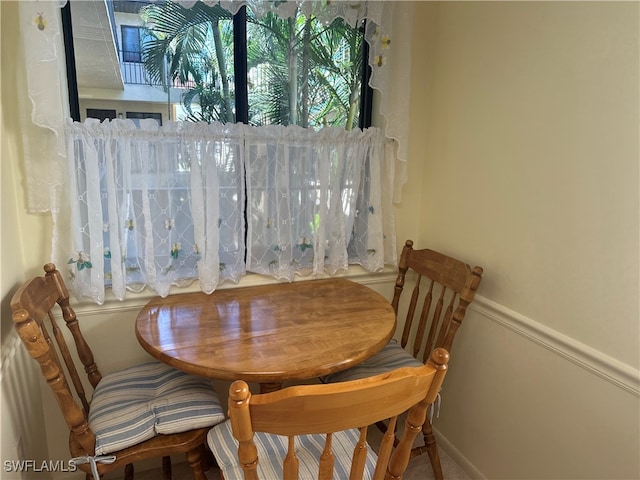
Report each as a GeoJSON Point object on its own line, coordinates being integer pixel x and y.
{"type": "Point", "coordinates": [161, 206]}
{"type": "Point", "coordinates": [116, 230]}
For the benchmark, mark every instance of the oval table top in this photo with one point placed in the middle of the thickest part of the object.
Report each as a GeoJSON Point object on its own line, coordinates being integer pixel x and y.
{"type": "Point", "coordinates": [268, 334]}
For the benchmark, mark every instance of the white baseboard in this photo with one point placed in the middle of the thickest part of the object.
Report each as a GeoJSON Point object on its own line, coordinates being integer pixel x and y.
{"type": "Point", "coordinates": [445, 445]}
{"type": "Point", "coordinates": [614, 371]}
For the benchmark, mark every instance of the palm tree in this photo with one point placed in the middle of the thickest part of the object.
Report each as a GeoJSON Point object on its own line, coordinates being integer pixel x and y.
{"type": "Point", "coordinates": [313, 71]}
{"type": "Point", "coordinates": [195, 44]}
{"type": "Point", "coordinates": [338, 55]}
{"type": "Point", "coordinates": [300, 71]}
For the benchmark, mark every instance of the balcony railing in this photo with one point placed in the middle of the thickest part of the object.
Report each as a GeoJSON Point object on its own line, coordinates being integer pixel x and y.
{"type": "Point", "coordinates": [134, 73]}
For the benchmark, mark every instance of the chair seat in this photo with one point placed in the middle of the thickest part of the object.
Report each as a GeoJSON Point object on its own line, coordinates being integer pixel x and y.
{"type": "Point", "coordinates": [272, 449]}
{"type": "Point", "coordinates": [140, 402]}
{"type": "Point", "coordinates": [391, 357]}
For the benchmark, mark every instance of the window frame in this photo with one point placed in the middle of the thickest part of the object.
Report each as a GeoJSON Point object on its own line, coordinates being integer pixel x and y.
{"type": "Point", "coordinates": [137, 116]}
{"type": "Point", "coordinates": [240, 70]}
{"type": "Point", "coordinates": [101, 113]}
{"type": "Point", "coordinates": [131, 56]}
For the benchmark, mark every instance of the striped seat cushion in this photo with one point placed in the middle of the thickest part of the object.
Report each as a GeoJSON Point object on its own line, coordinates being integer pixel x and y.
{"type": "Point", "coordinates": [137, 403]}
{"type": "Point", "coordinates": [391, 357]}
{"type": "Point", "coordinates": [272, 449]}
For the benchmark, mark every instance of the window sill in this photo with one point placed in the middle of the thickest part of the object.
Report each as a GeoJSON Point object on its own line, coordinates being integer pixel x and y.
{"type": "Point", "coordinates": [135, 301]}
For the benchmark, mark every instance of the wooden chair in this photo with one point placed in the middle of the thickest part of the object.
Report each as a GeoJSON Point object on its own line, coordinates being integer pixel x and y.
{"type": "Point", "coordinates": [444, 288]}
{"type": "Point", "coordinates": [320, 431]}
{"type": "Point", "coordinates": [144, 411]}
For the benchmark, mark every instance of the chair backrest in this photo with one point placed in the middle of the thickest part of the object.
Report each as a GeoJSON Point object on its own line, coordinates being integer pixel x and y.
{"type": "Point", "coordinates": [33, 307]}
{"type": "Point", "coordinates": [448, 287]}
{"type": "Point", "coordinates": [327, 409]}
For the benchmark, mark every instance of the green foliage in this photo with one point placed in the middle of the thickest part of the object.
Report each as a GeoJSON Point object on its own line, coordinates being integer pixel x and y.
{"type": "Point", "coordinates": [299, 70]}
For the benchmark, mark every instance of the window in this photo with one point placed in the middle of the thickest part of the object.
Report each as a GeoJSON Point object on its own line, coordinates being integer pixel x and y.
{"type": "Point", "coordinates": [137, 116]}
{"type": "Point", "coordinates": [132, 43]}
{"type": "Point", "coordinates": [389, 59]}
{"type": "Point", "coordinates": [210, 65]}
{"type": "Point", "coordinates": [219, 194]}
{"type": "Point", "coordinates": [101, 114]}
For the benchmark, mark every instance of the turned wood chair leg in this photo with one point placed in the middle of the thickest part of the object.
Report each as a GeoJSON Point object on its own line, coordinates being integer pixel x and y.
{"type": "Point", "coordinates": [194, 459]}
{"type": "Point", "coordinates": [207, 459]}
{"type": "Point", "coordinates": [128, 471]}
{"type": "Point", "coordinates": [166, 468]}
{"type": "Point", "coordinates": [432, 450]}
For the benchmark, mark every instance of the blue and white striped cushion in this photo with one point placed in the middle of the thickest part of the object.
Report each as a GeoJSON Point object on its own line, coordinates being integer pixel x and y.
{"type": "Point", "coordinates": [272, 450]}
{"type": "Point", "coordinates": [137, 403]}
{"type": "Point", "coordinates": [391, 357]}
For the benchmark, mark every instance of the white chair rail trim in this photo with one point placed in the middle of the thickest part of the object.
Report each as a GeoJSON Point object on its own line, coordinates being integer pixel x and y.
{"type": "Point", "coordinates": [598, 363]}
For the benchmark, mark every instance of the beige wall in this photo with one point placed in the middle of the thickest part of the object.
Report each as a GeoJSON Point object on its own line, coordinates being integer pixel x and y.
{"type": "Point", "coordinates": [529, 128]}
{"type": "Point", "coordinates": [523, 159]}
{"type": "Point", "coordinates": [532, 139]}
{"type": "Point", "coordinates": [22, 242]}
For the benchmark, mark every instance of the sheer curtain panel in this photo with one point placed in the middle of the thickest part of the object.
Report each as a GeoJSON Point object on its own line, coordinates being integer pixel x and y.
{"type": "Point", "coordinates": [161, 206]}
{"type": "Point", "coordinates": [153, 206]}
{"type": "Point", "coordinates": [314, 200]}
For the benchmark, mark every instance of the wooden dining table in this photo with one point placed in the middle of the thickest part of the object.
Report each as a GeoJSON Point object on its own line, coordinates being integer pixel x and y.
{"type": "Point", "coordinates": [268, 334]}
